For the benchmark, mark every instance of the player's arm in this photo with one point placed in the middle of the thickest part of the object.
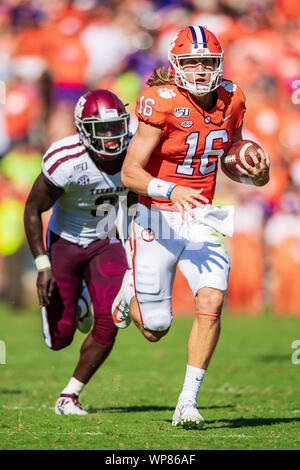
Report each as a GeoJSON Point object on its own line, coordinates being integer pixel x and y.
{"type": "Point", "coordinates": [136, 178]}
{"type": "Point", "coordinates": [41, 198]}
{"type": "Point", "coordinates": [141, 146]}
{"type": "Point", "coordinates": [238, 134]}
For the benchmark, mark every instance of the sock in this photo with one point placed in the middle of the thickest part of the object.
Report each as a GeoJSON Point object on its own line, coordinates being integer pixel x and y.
{"type": "Point", "coordinates": [128, 293]}
{"type": "Point", "coordinates": [74, 386]}
{"type": "Point", "coordinates": [193, 379]}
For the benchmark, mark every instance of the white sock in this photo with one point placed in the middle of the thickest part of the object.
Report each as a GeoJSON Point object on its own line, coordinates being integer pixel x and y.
{"type": "Point", "coordinates": [74, 386]}
{"type": "Point", "coordinates": [193, 379]}
{"type": "Point", "coordinates": [128, 293]}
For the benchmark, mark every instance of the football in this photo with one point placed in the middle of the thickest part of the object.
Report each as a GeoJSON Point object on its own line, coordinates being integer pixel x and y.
{"type": "Point", "coordinates": [239, 153]}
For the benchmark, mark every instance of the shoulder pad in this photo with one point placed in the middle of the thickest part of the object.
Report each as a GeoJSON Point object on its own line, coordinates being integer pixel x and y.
{"type": "Point", "coordinates": [228, 85]}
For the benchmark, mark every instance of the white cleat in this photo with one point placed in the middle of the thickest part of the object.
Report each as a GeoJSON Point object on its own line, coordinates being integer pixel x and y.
{"type": "Point", "coordinates": [120, 310]}
{"type": "Point", "coordinates": [68, 404]}
{"type": "Point", "coordinates": [84, 312]}
{"type": "Point", "coordinates": [187, 416]}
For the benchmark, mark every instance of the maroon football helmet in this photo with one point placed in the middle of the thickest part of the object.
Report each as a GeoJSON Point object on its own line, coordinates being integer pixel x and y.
{"type": "Point", "coordinates": [102, 122]}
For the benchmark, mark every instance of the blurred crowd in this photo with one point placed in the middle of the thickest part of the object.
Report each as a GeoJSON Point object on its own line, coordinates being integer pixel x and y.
{"type": "Point", "coordinates": [51, 52]}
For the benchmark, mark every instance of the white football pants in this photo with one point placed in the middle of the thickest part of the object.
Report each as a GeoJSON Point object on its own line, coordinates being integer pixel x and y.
{"type": "Point", "coordinates": [160, 240]}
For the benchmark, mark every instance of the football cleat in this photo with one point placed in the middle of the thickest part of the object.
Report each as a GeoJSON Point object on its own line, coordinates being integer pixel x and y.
{"type": "Point", "coordinates": [84, 312]}
{"type": "Point", "coordinates": [68, 404]}
{"type": "Point", "coordinates": [187, 416]}
{"type": "Point", "coordinates": [120, 310]}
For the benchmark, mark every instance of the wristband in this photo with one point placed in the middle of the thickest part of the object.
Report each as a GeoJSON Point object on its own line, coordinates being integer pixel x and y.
{"type": "Point", "coordinates": [160, 188]}
{"type": "Point", "coordinates": [170, 190]}
{"type": "Point", "coordinates": [42, 263]}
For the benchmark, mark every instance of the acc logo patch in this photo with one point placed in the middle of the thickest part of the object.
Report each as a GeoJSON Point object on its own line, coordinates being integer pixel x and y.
{"type": "Point", "coordinates": [166, 93]}
{"type": "Point", "coordinates": [186, 123]}
{"type": "Point", "coordinates": [83, 180]}
{"type": "Point", "coordinates": [148, 235]}
{"type": "Point", "coordinates": [181, 112]}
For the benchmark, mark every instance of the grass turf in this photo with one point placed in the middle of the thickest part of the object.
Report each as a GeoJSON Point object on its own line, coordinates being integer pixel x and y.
{"type": "Point", "coordinates": [249, 398]}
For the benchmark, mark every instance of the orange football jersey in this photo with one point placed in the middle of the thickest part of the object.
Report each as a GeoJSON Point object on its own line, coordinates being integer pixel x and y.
{"type": "Point", "coordinates": [193, 139]}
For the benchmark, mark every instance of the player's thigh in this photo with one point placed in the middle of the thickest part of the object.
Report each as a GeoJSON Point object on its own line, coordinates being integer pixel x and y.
{"type": "Point", "coordinates": [104, 273]}
{"type": "Point", "coordinates": [154, 265]}
{"type": "Point", "coordinates": [206, 263]}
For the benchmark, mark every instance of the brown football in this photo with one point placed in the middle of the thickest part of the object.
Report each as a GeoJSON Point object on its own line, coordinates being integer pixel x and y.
{"type": "Point", "coordinates": [239, 152]}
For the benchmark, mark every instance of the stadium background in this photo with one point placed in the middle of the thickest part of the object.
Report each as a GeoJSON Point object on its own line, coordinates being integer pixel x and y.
{"type": "Point", "coordinates": [52, 52]}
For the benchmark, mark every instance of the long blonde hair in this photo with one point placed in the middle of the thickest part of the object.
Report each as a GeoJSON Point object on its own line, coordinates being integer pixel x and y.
{"type": "Point", "coordinates": [161, 76]}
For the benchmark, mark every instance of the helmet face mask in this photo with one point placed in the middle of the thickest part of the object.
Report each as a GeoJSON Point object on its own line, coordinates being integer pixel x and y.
{"type": "Point", "coordinates": [196, 43]}
{"type": "Point", "coordinates": [103, 123]}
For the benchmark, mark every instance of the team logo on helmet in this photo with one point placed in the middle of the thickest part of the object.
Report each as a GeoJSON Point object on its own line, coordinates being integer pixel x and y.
{"type": "Point", "coordinates": [79, 106]}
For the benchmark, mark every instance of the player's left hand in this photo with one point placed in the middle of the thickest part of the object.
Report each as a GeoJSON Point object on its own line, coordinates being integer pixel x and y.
{"type": "Point", "coordinates": [185, 198]}
{"type": "Point", "coordinates": [45, 284]}
{"type": "Point", "coordinates": [259, 173]}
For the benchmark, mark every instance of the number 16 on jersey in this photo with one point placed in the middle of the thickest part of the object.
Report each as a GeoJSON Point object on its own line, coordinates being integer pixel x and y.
{"type": "Point", "coordinates": [205, 166]}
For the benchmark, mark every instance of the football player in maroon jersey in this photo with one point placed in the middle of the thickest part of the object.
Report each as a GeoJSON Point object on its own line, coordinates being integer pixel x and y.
{"type": "Point", "coordinates": [81, 182]}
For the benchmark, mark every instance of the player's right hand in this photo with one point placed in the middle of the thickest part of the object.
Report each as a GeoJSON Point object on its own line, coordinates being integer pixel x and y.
{"type": "Point", "coordinates": [45, 285]}
{"type": "Point", "coordinates": [184, 198]}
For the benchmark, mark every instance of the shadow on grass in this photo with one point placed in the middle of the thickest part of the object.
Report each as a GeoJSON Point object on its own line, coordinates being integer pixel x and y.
{"type": "Point", "coordinates": [240, 423]}
{"type": "Point", "coordinates": [274, 358]}
{"type": "Point", "coordinates": [143, 409]}
{"type": "Point", "coordinates": [10, 392]}
{"type": "Point", "coordinates": [249, 422]}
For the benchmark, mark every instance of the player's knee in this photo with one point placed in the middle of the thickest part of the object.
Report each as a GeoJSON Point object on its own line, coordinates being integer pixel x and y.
{"type": "Point", "coordinates": [104, 330]}
{"type": "Point", "coordinates": [154, 336]}
{"type": "Point", "coordinates": [61, 337]}
{"type": "Point", "coordinates": [59, 343]}
{"type": "Point", "coordinates": [156, 318]}
{"type": "Point", "coordinates": [209, 300]}
{"type": "Point", "coordinates": [158, 322]}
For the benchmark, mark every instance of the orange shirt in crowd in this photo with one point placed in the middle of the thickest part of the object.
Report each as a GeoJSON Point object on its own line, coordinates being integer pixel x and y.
{"type": "Point", "coordinates": [66, 56]}
{"type": "Point", "coordinates": [245, 292]}
{"type": "Point", "coordinates": [21, 108]}
{"type": "Point", "coordinates": [264, 118]}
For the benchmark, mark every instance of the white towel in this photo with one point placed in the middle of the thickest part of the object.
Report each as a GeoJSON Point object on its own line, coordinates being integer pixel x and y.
{"type": "Point", "coordinates": [221, 218]}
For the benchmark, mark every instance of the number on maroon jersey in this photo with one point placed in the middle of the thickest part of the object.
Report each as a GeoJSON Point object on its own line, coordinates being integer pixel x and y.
{"type": "Point", "coordinates": [109, 199]}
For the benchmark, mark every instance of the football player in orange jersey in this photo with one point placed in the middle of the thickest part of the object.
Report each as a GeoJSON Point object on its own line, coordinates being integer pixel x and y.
{"type": "Point", "coordinates": [188, 118]}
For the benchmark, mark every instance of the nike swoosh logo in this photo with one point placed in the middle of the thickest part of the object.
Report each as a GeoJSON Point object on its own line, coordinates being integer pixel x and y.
{"type": "Point", "coordinates": [225, 119]}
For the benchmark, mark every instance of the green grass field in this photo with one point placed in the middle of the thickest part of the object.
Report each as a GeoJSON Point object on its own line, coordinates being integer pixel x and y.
{"type": "Point", "coordinates": [249, 399]}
